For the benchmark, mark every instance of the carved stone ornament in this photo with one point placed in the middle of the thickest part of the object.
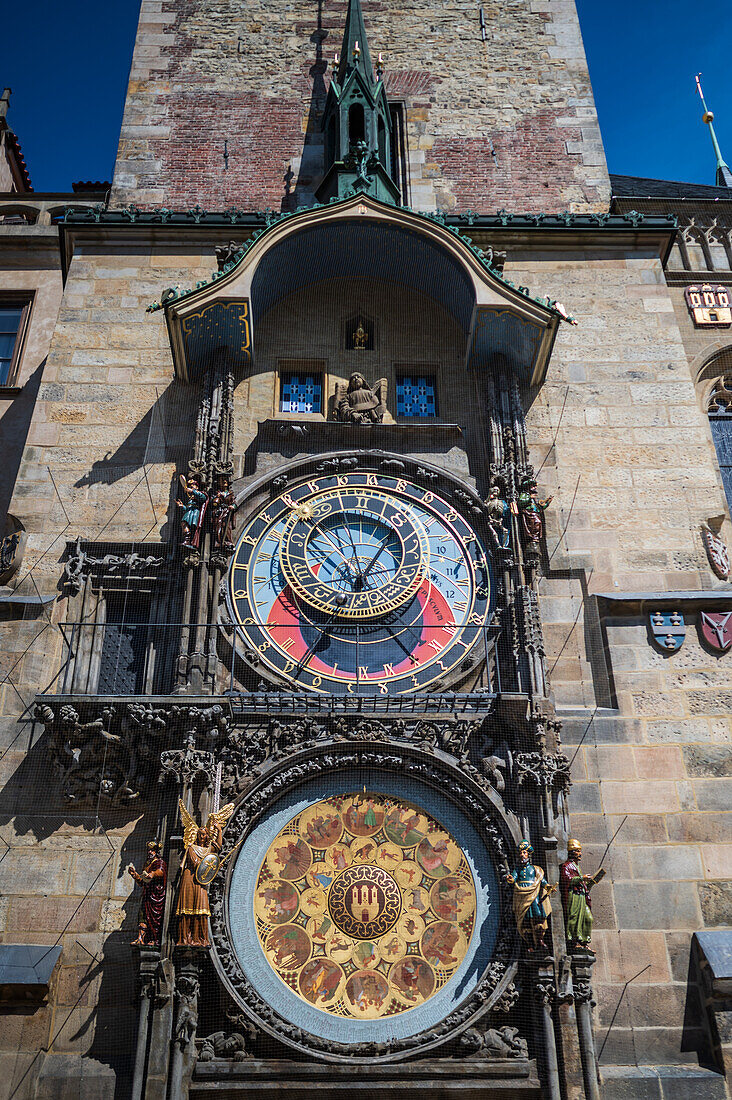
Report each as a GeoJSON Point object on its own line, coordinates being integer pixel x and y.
{"type": "Point", "coordinates": [717, 553]}
{"type": "Point", "coordinates": [250, 750]}
{"type": "Point", "coordinates": [582, 964]}
{"type": "Point", "coordinates": [115, 753]}
{"type": "Point", "coordinates": [80, 564]}
{"type": "Point", "coordinates": [187, 989]}
{"type": "Point", "coordinates": [495, 986]}
{"type": "Point", "coordinates": [547, 771]}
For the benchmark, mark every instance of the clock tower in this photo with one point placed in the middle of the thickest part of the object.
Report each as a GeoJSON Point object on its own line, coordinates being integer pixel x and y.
{"type": "Point", "coordinates": [356, 427]}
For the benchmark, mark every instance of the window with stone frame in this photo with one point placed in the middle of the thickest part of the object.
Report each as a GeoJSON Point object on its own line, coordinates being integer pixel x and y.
{"type": "Point", "coordinates": [301, 387]}
{"type": "Point", "coordinates": [123, 655]}
{"type": "Point", "coordinates": [14, 312]}
{"type": "Point", "coordinates": [417, 394]}
{"type": "Point", "coordinates": [719, 410]}
{"type": "Point", "coordinates": [399, 149]}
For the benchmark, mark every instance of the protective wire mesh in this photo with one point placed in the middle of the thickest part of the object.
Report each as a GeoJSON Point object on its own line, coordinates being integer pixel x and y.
{"type": "Point", "coordinates": [64, 873]}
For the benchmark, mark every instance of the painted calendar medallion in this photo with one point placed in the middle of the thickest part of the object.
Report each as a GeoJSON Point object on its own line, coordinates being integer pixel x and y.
{"type": "Point", "coordinates": [364, 905]}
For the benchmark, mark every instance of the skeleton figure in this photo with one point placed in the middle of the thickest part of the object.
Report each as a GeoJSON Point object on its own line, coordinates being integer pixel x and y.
{"type": "Point", "coordinates": [359, 403]}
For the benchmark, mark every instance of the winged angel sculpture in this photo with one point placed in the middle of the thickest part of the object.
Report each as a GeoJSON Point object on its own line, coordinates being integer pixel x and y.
{"type": "Point", "coordinates": [360, 403]}
{"type": "Point", "coordinates": [200, 865]}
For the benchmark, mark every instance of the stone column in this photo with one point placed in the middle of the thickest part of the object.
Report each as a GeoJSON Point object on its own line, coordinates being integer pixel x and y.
{"type": "Point", "coordinates": [149, 962]}
{"type": "Point", "coordinates": [187, 987]}
{"type": "Point", "coordinates": [582, 964]}
{"type": "Point", "coordinates": [542, 982]}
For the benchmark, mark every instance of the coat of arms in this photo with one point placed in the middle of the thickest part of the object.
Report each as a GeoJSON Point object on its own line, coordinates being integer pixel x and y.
{"type": "Point", "coordinates": [717, 553]}
{"type": "Point", "coordinates": [716, 629]}
{"type": "Point", "coordinates": [668, 629]}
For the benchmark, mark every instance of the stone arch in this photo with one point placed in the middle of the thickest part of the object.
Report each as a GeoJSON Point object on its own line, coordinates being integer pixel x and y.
{"type": "Point", "coordinates": [369, 238]}
{"type": "Point", "coordinates": [697, 248]}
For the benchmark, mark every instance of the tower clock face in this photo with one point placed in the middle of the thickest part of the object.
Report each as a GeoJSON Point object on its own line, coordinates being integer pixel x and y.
{"type": "Point", "coordinates": [360, 584]}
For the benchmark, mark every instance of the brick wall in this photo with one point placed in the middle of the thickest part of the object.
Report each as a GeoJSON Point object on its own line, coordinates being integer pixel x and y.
{"type": "Point", "coordinates": [509, 122]}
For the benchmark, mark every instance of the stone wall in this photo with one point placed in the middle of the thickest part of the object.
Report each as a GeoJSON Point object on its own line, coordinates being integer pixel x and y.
{"type": "Point", "coordinates": [624, 445]}
{"type": "Point", "coordinates": [509, 122]}
{"type": "Point", "coordinates": [29, 262]}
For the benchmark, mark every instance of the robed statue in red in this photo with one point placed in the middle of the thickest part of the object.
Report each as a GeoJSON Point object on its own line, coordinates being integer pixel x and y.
{"type": "Point", "coordinates": [153, 879]}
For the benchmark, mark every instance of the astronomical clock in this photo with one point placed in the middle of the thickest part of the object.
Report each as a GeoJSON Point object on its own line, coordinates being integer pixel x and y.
{"type": "Point", "coordinates": [360, 583]}
{"type": "Point", "coordinates": [363, 906]}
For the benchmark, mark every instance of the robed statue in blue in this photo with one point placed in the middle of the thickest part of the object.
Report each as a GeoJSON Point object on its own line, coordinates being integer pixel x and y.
{"type": "Point", "coordinates": [531, 905]}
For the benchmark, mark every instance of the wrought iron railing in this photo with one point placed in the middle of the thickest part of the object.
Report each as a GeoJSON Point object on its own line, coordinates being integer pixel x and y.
{"type": "Point", "coordinates": [143, 658]}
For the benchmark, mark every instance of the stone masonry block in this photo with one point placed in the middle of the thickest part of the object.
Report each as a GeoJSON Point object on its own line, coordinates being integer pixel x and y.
{"type": "Point", "coordinates": [657, 905]}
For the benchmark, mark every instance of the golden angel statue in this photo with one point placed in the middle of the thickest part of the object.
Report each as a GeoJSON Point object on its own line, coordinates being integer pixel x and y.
{"type": "Point", "coordinates": [199, 867]}
{"type": "Point", "coordinates": [360, 403]}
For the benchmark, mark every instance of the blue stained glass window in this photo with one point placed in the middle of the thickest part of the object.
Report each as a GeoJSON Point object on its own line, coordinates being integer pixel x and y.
{"type": "Point", "coordinates": [416, 395]}
{"type": "Point", "coordinates": [722, 435]}
{"type": "Point", "coordinates": [301, 393]}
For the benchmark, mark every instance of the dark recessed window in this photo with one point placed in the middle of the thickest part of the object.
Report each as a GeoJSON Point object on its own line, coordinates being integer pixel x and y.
{"type": "Point", "coordinates": [301, 393]}
{"type": "Point", "coordinates": [12, 323]}
{"type": "Point", "coordinates": [399, 151]}
{"type": "Point", "coordinates": [416, 395]}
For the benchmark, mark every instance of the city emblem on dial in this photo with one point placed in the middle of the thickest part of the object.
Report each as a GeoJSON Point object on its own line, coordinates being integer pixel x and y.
{"type": "Point", "coordinates": [365, 902]}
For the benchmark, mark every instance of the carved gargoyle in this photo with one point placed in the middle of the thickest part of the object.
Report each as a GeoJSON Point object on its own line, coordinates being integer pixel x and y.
{"type": "Point", "coordinates": [92, 760]}
{"type": "Point", "coordinates": [493, 1043]}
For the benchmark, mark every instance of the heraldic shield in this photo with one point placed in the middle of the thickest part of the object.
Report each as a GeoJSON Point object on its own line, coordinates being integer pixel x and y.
{"type": "Point", "coordinates": [668, 629]}
{"type": "Point", "coordinates": [716, 629]}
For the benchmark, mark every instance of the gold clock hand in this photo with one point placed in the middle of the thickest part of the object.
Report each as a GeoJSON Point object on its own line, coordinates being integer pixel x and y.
{"type": "Point", "coordinates": [355, 551]}
{"type": "Point", "coordinates": [337, 549]}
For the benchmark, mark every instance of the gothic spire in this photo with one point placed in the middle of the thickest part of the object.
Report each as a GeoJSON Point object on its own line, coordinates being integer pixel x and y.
{"type": "Point", "coordinates": [724, 175]}
{"type": "Point", "coordinates": [357, 122]}
{"type": "Point", "coordinates": [355, 49]}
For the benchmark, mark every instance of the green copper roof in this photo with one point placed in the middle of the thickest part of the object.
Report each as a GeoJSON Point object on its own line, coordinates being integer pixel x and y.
{"type": "Point", "coordinates": [175, 293]}
{"type": "Point", "coordinates": [355, 49]}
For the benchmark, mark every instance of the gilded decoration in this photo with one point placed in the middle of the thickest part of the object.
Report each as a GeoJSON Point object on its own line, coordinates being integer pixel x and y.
{"type": "Point", "coordinates": [364, 906]}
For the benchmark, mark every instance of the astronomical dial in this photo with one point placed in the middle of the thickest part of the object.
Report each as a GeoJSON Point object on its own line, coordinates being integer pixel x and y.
{"type": "Point", "coordinates": [354, 554]}
{"type": "Point", "coordinates": [359, 584]}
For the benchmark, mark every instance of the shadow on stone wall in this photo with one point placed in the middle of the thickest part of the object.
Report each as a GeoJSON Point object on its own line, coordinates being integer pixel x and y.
{"type": "Point", "coordinates": [311, 162]}
{"type": "Point", "coordinates": [164, 435]}
{"type": "Point", "coordinates": [14, 426]}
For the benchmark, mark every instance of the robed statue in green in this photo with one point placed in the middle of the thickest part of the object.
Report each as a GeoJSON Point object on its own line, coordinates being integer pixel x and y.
{"type": "Point", "coordinates": [576, 900]}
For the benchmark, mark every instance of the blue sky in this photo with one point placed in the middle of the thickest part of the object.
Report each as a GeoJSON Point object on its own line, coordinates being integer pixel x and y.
{"type": "Point", "coordinates": [68, 65]}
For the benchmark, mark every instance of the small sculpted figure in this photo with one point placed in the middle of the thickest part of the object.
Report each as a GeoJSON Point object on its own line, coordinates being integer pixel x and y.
{"type": "Point", "coordinates": [193, 908]}
{"type": "Point", "coordinates": [531, 905]}
{"type": "Point", "coordinates": [531, 511]}
{"type": "Point", "coordinates": [194, 510]}
{"type": "Point", "coordinates": [499, 517]}
{"type": "Point", "coordinates": [359, 403]}
{"type": "Point", "coordinates": [576, 901]}
{"type": "Point", "coordinates": [153, 878]}
{"type": "Point", "coordinates": [223, 513]}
